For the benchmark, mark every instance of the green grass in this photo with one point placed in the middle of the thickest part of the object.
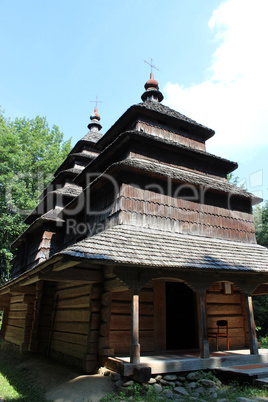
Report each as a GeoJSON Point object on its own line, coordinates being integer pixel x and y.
{"type": "Point", "coordinates": [14, 384]}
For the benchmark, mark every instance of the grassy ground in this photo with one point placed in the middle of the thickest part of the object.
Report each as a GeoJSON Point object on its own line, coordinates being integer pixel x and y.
{"type": "Point", "coordinates": [14, 384]}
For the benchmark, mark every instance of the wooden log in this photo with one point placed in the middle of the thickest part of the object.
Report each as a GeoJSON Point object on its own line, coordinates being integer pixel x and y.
{"type": "Point", "coordinates": [68, 349]}
{"type": "Point", "coordinates": [73, 274]}
{"type": "Point", "coordinates": [253, 343]}
{"type": "Point", "coordinates": [220, 309]}
{"type": "Point", "coordinates": [124, 322]}
{"type": "Point", "coordinates": [76, 302]}
{"type": "Point", "coordinates": [125, 308]}
{"type": "Point", "coordinates": [96, 292]}
{"type": "Point", "coordinates": [78, 339]}
{"type": "Point", "coordinates": [202, 326]}
{"type": "Point", "coordinates": [74, 315]}
{"type": "Point", "coordinates": [135, 345]}
{"type": "Point", "coordinates": [29, 290]}
{"type": "Point", "coordinates": [74, 292]}
{"type": "Point", "coordinates": [21, 307]}
{"type": "Point", "coordinates": [95, 321]}
{"type": "Point", "coordinates": [34, 340]}
{"type": "Point", "coordinates": [114, 285]}
{"type": "Point", "coordinates": [235, 321]}
{"type": "Point", "coordinates": [63, 264]}
{"type": "Point", "coordinates": [224, 299]}
{"type": "Point", "coordinates": [106, 299]}
{"type": "Point", "coordinates": [72, 327]}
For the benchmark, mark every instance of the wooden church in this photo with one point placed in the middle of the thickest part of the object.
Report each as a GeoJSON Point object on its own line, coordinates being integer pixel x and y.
{"type": "Point", "coordinates": [140, 245]}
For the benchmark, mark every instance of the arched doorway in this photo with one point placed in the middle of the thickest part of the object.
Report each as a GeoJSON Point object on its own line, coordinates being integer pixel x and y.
{"type": "Point", "coordinates": [181, 322]}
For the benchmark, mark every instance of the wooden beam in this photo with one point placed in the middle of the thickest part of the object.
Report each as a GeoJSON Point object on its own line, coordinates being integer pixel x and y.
{"type": "Point", "coordinates": [114, 285]}
{"type": "Point", "coordinates": [29, 290]}
{"type": "Point", "coordinates": [202, 325]}
{"type": "Point", "coordinates": [63, 264]}
{"type": "Point", "coordinates": [73, 274]}
{"type": "Point", "coordinates": [253, 343]}
{"type": "Point", "coordinates": [135, 346]}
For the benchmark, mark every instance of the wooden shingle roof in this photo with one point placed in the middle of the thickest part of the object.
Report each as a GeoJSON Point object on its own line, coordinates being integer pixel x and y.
{"type": "Point", "coordinates": [133, 245]}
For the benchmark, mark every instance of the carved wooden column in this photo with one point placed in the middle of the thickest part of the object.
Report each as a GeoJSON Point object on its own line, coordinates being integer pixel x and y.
{"type": "Point", "coordinates": [135, 346]}
{"type": "Point", "coordinates": [253, 343]}
{"type": "Point", "coordinates": [202, 325]}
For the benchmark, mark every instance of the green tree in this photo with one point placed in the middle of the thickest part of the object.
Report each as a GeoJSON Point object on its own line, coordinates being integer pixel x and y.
{"type": "Point", "coordinates": [30, 152]}
{"type": "Point", "coordinates": [261, 224]}
{"type": "Point", "coordinates": [261, 302]}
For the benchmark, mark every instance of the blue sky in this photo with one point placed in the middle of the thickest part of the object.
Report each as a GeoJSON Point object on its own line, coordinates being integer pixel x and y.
{"type": "Point", "coordinates": [57, 56]}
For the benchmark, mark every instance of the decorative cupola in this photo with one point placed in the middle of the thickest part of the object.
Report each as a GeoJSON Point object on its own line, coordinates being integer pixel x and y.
{"type": "Point", "coordinates": [94, 125]}
{"type": "Point", "coordinates": [152, 92]}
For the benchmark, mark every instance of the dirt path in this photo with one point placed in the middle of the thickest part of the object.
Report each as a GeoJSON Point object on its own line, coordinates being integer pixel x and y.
{"type": "Point", "coordinates": [64, 384]}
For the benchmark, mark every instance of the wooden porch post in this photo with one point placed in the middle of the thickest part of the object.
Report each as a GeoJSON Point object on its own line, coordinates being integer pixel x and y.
{"type": "Point", "coordinates": [135, 346]}
{"type": "Point", "coordinates": [253, 343]}
{"type": "Point", "coordinates": [202, 324]}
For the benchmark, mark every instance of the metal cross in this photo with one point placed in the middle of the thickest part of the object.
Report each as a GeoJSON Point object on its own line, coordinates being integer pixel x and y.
{"type": "Point", "coordinates": [96, 101]}
{"type": "Point", "coordinates": [151, 65]}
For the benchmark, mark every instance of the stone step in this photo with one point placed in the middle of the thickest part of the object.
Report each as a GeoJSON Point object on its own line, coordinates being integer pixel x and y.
{"type": "Point", "coordinates": [259, 382]}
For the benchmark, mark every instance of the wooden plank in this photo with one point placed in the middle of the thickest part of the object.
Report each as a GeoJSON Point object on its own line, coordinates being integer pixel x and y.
{"type": "Point", "coordinates": [15, 331]}
{"type": "Point", "coordinates": [125, 308]}
{"type": "Point", "coordinates": [124, 322]}
{"type": "Point", "coordinates": [69, 349]}
{"type": "Point", "coordinates": [78, 339]}
{"type": "Point", "coordinates": [160, 314]}
{"type": "Point", "coordinates": [76, 302]}
{"type": "Point", "coordinates": [16, 323]}
{"type": "Point", "coordinates": [253, 344]}
{"type": "Point", "coordinates": [29, 290]}
{"type": "Point", "coordinates": [114, 285]}
{"type": "Point", "coordinates": [146, 295]}
{"type": "Point", "coordinates": [73, 274]}
{"type": "Point", "coordinates": [13, 339]}
{"type": "Point", "coordinates": [63, 264]}
{"type": "Point", "coordinates": [17, 299]}
{"type": "Point", "coordinates": [224, 299]}
{"type": "Point", "coordinates": [75, 315]}
{"type": "Point", "coordinates": [72, 327]}
{"type": "Point", "coordinates": [73, 292]}
{"type": "Point", "coordinates": [233, 321]}
{"type": "Point", "coordinates": [21, 307]}
{"type": "Point", "coordinates": [219, 309]}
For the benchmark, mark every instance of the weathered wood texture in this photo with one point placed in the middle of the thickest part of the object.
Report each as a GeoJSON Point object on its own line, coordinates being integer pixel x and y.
{"type": "Point", "coordinates": [37, 249]}
{"type": "Point", "coordinates": [70, 320]}
{"type": "Point", "coordinates": [120, 325]}
{"type": "Point", "coordinates": [177, 136]}
{"type": "Point", "coordinates": [19, 320]}
{"type": "Point", "coordinates": [182, 216]}
{"type": "Point", "coordinates": [227, 307]}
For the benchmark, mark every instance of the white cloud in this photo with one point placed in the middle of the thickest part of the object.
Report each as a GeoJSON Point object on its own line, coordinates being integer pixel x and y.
{"type": "Point", "coordinates": [233, 101]}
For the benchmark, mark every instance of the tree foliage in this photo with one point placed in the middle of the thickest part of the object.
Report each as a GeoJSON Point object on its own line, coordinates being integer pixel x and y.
{"type": "Point", "coordinates": [30, 151]}
{"type": "Point", "coordinates": [261, 302]}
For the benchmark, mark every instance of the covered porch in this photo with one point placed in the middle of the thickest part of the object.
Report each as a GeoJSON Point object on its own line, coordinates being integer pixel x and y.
{"type": "Point", "coordinates": [183, 361]}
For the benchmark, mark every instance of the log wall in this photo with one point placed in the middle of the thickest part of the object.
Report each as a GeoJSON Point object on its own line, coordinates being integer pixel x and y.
{"type": "Point", "coordinates": [120, 325]}
{"type": "Point", "coordinates": [231, 307]}
{"type": "Point", "coordinates": [70, 320]}
{"type": "Point", "coordinates": [19, 322]}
